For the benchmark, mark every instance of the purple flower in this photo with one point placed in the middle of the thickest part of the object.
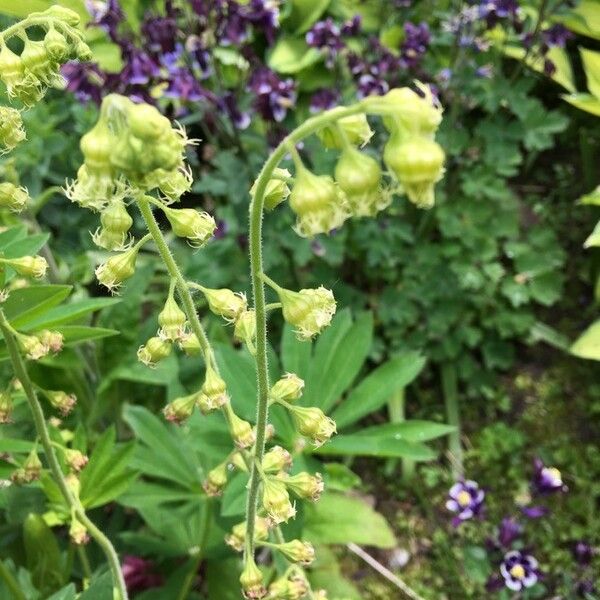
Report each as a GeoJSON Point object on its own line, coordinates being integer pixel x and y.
{"type": "Point", "coordinates": [232, 25]}
{"type": "Point", "coordinates": [556, 35]}
{"type": "Point", "coordinates": [466, 499]}
{"type": "Point", "coordinates": [519, 570]}
{"type": "Point", "coordinates": [510, 529]}
{"type": "Point", "coordinates": [371, 85]}
{"type": "Point", "coordinates": [323, 99]}
{"type": "Point", "coordinates": [184, 86]}
{"type": "Point", "coordinates": [547, 480]}
{"type": "Point", "coordinates": [585, 588]}
{"type": "Point", "coordinates": [326, 36]}
{"type": "Point", "coordinates": [582, 552]}
{"type": "Point", "coordinates": [160, 33]}
{"type": "Point", "coordinates": [264, 16]}
{"type": "Point", "coordinates": [352, 26]}
{"type": "Point", "coordinates": [416, 41]}
{"type": "Point", "coordinates": [228, 103]}
{"type": "Point", "coordinates": [495, 10]}
{"type": "Point", "coordinates": [107, 15]}
{"type": "Point", "coordinates": [535, 512]}
{"type": "Point", "coordinates": [139, 68]}
{"type": "Point", "coordinates": [85, 80]}
{"type": "Point", "coordinates": [138, 574]}
{"type": "Point", "coordinates": [273, 95]}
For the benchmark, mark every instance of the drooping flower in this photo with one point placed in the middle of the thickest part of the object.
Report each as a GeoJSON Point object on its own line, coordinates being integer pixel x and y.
{"type": "Point", "coordinates": [273, 96]}
{"type": "Point", "coordinates": [547, 480]}
{"type": "Point", "coordinates": [510, 529]}
{"type": "Point", "coordinates": [582, 552]}
{"type": "Point", "coordinates": [465, 498]}
{"type": "Point", "coordinates": [139, 574]}
{"type": "Point", "coordinates": [519, 570]}
{"type": "Point", "coordinates": [415, 44]}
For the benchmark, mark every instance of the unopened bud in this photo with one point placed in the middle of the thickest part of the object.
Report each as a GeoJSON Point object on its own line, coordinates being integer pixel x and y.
{"type": "Point", "coordinates": [173, 184]}
{"type": "Point", "coordinates": [355, 127]}
{"type": "Point", "coordinates": [13, 197]}
{"type": "Point", "coordinates": [56, 45]}
{"type": "Point", "coordinates": [78, 532]}
{"type": "Point", "coordinates": [32, 466]}
{"type": "Point", "coordinates": [73, 484]}
{"type": "Point", "coordinates": [245, 329]}
{"type": "Point", "coordinates": [241, 431]}
{"type": "Point", "coordinates": [172, 320]}
{"type": "Point", "coordinates": [309, 310]}
{"type": "Point", "coordinates": [39, 64]}
{"type": "Point", "coordinates": [214, 390]}
{"type": "Point", "coordinates": [276, 501]}
{"type": "Point", "coordinates": [28, 266]}
{"type": "Point", "coordinates": [76, 459]}
{"type": "Point", "coordinates": [190, 344]}
{"type": "Point", "coordinates": [297, 551]}
{"type": "Point", "coordinates": [117, 268]}
{"type": "Point", "coordinates": [304, 485]}
{"type": "Point", "coordinates": [54, 340]}
{"type": "Point", "coordinates": [116, 222]}
{"type": "Point", "coordinates": [70, 17]}
{"type": "Point", "coordinates": [225, 303]}
{"type": "Point", "coordinates": [6, 407]}
{"type": "Point", "coordinates": [61, 401]}
{"type": "Point", "coordinates": [32, 346]}
{"type": "Point", "coordinates": [11, 70]}
{"type": "Point", "coordinates": [251, 581]}
{"type": "Point", "coordinates": [237, 460]}
{"type": "Point", "coordinates": [11, 129]}
{"type": "Point", "coordinates": [313, 423]}
{"type": "Point", "coordinates": [237, 538]}
{"type": "Point", "coordinates": [276, 459]}
{"type": "Point", "coordinates": [197, 227]}
{"type": "Point", "coordinates": [180, 409]}
{"type": "Point", "coordinates": [216, 480]}
{"type": "Point", "coordinates": [288, 388]}
{"type": "Point", "coordinates": [293, 588]}
{"type": "Point", "coordinates": [277, 189]}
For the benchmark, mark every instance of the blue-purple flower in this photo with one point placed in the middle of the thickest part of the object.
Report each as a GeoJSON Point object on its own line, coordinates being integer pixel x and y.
{"type": "Point", "coordinates": [510, 529]}
{"type": "Point", "coordinates": [416, 41]}
{"type": "Point", "coordinates": [323, 99]}
{"type": "Point", "coordinates": [547, 480]}
{"type": "Point", "coordinates": [582, 552]}
{"type": "Point", "coordinates": [273, 96]}
{"type": "Point", "coordinates": [519, 570]}
{"type": "Point", "coordinates": [465, 498]}
{"type": "Point", "coordinates": [107, 15]}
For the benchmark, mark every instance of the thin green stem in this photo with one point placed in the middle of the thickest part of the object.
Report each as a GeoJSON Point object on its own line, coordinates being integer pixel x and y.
{"type": "Point", "coordinates": [85, 561]}
{"type": "Point", "coordinates": [450, 391]}
{"type": "Point", "coordinates": [272, 284]}
{"type": "Point", "coordinates": [397, 414]}
{"type": "Point", "coordinates": [258, 292]}
{"type": "Point", "coordinates": [11, 583]}
{"type": "Point", "coordinates": [22, 375]}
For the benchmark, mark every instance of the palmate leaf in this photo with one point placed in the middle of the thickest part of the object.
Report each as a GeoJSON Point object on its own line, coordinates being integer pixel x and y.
{"type": "Point", "coordinates": [588, 343]}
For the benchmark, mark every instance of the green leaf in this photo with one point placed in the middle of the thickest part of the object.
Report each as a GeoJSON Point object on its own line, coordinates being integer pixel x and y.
{"type": "Point", "coordinates": [13, 445]}
{"type": "Point", "coordinates": [234, 497]}
{"type": "Point", "coordinates": [290, 55]}
{"type": "Point", "coordinates": [375, 390]}
{"type": "Point", "coordinates": [585, 102]}
{"type": "Point", "coordinates": [326, 573]}
{"type": "Point", "coordinates": [591, 66]}
{"type": "Point", "coordinates": [67, 593]}
{"type": "Point", "coordinates": [584, 18]}
{"type": "Point", "coordinates": [592, 197]}
{"type": "Point", "coordinates": [295, 355]}
{"type": "Point", "coordinates": [101, 589]}
{"type": "Point", "coordinates": [339, 519]}
{"type": "Point", "coordinates": [28, 303]}
{"type": "Point", "coordinates": [340, 478]}
{"type": "Point", "coordinates": [144, 494]}
{"type": "Point", "coordinates": [588, 343]}
{"type": "Point", "coordinates": [593, 240]}
{"type": "Point", "coordinates": [70, 312]}
{"type": "Point", "coordinates": [304, 14]}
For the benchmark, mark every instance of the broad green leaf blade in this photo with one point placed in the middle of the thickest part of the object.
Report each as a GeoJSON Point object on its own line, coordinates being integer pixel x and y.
{"type": "Point", "coordinates": [25, 246]}
{"type": "Point", "coordinates": [101, 589]}
{"type": "Point", "coordinates": [75, 334]}
{"type": "Point", "coordinates": [326, 573]}
{"type": "Point", "coordinates": [14, 445]}
{"type": "Point", "coordinates": [295, 355]}
{"type": "Point", "coordinates": [414, 430]}
{"type": "Point", "coordinates": [375, 390]}
{"type": "Point", "coordinates": [28, 303]}
{"type": "Point", "coordinates": [144, 494]}
{"type": "Point", "coordinates": [290, 55]}
{"type": "Point", "coordinates": [588, 343]}
{"type": "Point", "coordinates": [67, 593]}
{"type": "Point", "coordinates": [304, 14]}
{"type": "Point", "coordinates": [339, 519]}
{"type": "Point", "coordinates": [585, 102]}
{"type": "Point", "coordinates": [592, 197]}
{"type": "Point", "coordinates": [584, 18]}
{"type": "Point", "coordinates": [70, 312]}
{"type": "Point", "coordinates": [593, 240]}
{"type": "Point", "coordinates": [591, 66]}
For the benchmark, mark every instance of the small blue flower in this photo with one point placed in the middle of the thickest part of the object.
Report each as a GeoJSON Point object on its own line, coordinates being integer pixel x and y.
{"type": "Point", "coordinates": [547, 480]}
{"type": "Point", "coordinates": [466, 499]}
{"type": "Point", "coordinates": [519, 570]}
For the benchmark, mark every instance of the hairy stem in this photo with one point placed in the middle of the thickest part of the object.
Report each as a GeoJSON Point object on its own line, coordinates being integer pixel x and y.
{"type": "Point", "coordinates": [258, 293]}
{"type": "Point", "coordinates": [22, 375]}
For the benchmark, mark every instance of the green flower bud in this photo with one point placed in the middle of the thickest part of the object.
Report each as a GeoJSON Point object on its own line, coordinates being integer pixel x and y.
{"type": "Point", "coordinates": [32, 466]}
{"type": "Point", "coordinates": [13, 197]}
{"type": "Point", "coordinates": [12, 71]}
{"type": "Point", "coordinates": [92, 189]}
{"type": "Point", "coordinates": [190, 344]}
{"type": "Point", "coordinates": [117, 268]}
{"type": "Point", "coordinates": [83, 51]}
{"type": "Point", "coordinates": [153, 351]}
{"type": "Point", "coordinates": [32, 346]}
{"type": "Point", "coordinates": [417, 163]}
{"type": "Point", "coordinates": [76, 459]}
{"type": "Point", "coordinates": [283, 588]}
{"type": "Point", "coordinates": [276, 459]}
{"type": "Point", "coordinates": [197, 227]}
{"type": "Point", "coordinates": [216, 480]}
{"type": "Point", "coordinates": [308, 310]}
{"type": "Point", "coordinates": [181, 409]}
{"type": "Point", "coordinates": [288, 388]}
{"type": "Point", "coordinates": [313, 423]}
{"type": "Point", "coordinates": [297, 551]}
{"type": "Point", "coordinates": [320, 595]}
{"type": "Point", "coordinates": [356, 128]}
{"type": "Point", "coordinates": [6, 407]}
{"type": "Point", "coordinates": [225, 303]}
{"type": "Point", "coordinates": [214, 390]}
{"type": "Point", "coordinates": [359, 176]}
{"type": "Point", "coordinates": [38, 63]}
{"type": "Point", "coordinates": [277, 189]}
{"type": "Point", "coordinates": [54, 340]}
{"type": "Point", "coordinates": [241, 431]}
{"type": "Point", "coordinates": [56, 45]}
{"type": "Point", "coordinates": [304, 485]}
{"type": "Point", "coordinates": [27, 266]}
{"type": "Point", "coordinates": [78, 532]}
{"type": "Point", "coordinates": [172, 320]}
{"type": "Point", "coordinates": [29, 91]}
{"type": "Point", "coordinates": [319, 204]}
{"type": "Point", "coordinates": [276, 501]}
{"type": "Point", "coordinates": [146, 122]}
{"type": "Point", "coordinates": [237, 538]}
{"type": "Point", "coordinates": [173, 184]}
{"type": "Point", "coordinates": [97, 146]}
{"type": "Point", "coordinates": [251, 581]}
{"type": "Point", "coordinates": [61, 401]}
{"type": "Point", "coordinates": [237, 460]}
{"type": "Point", "coordinates": [116, 222]}
{"type": "Point", "coordinates": [73, 484]}
{"type": "Point", "coordinates": [245, 329]}
{"type": "Point", "coordinates": [19, 476]}
{"type": "Point", "coordinates": [11, 128]}
{"type": "Point", "coordinates": [70, 17]}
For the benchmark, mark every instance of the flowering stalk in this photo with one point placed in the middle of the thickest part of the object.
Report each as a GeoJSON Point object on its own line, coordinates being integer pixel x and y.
{"type": "Point", "coordinates": [73, 503]}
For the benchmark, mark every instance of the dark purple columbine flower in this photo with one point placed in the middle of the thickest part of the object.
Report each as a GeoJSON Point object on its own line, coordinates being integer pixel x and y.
{"type": "Point", "coordinates": [85, 80]}
{"type": "Point", "coordinates": [139, 67]}
{"type": "Point", "coordinates": [547, 480]}
{"type": "Point", "coordinates": [535, 512]}
{"type": "Point", "coordinates": [274, 96]}
{"type": "Point", "coordinates": [556, 35]}
{"type": "Point", "coordinates": [232, 24]}
{"type": "Point", "coordinates": [495, 10]}
{"type": "Point", "coordinates": [326, 36]}
{"type": "Point", "coordinates": [323, 99]}
{"type": "Point", "coordinates": [352, 26]}
{"type": "Point", "coordinates": [183, 85]}
{"type": "Point", "coordinates": [519, 570]}
{"type": "Point", "coordinates": [416, 41]}
{"type": "Point", "coordinates": [585, 588]}
{"type": "Point", "coordinates": [510, 529]}
{"type": "Point", "coordinates": [466, 499]}
{"type": "Point", "coordinates": [582, 552]}
{"type": "Point", "coordinates": [138, 574]}
{"type": "Point", "coordinates": [264, 16]}
{"type": "Point", "coordinates": [371, 85]}
{"type": "Point", "coordinates": [228, 103]}
{"type": "Point", "coordinates": [160, 33]}
{"type": "Point", "coordinates": [107, 15]}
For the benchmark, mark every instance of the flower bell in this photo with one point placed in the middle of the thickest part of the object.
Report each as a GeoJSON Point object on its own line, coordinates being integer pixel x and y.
{"type": "Point", "coordinates": [288, 388]}
{"type": "Point", "coordinates": [237, 538]}
{"type": "Point", "coordinates": [355, 128]}
{"type": "Point", "coordinates": [32, 466]}
{"type": "Point", "coordinates": [417, 163]}
{"type": "Point", "coordinates": [313, 423]}
{"type": "Point", "coordinates": [32, 346]}
{"type": "Point", "coordinates": [288, 588]}
{"type": "Point", "coordinates": [197, 227]}
{"type": "Point", "coordinates": [276, 501]}
{"type": "Point", "coordinates": [153, 351]}
{"type": "Point", "coordinates": [276, 190]}
{"type": "Point", "coordinates": [76, 459]}
{"type": "Point", "coordinates": [61, 401]}
{"type": "Point", "coordinates": [225, 303]}
{"type": "Point", "coordinates": [318, 203]}
{"type": "Point", "coordinates": [276, 459]}
{"type": "Point", "coordinates": [214, 390]}
{"type": "Point", "coordinates": [245, 329]}
{"type": "Point", "coordinates": [38, 63]}
{"type": "Point", "coordinates": [297, 551]}
{"type": "Point", "coordinates": [27, 266]}
{"type": "Point", "coordinates": [11, 128]}
{"type": "Point", "coordinates": [56, 45]}
{"type": "Point", "coordinates": [359, 176]}
{"type": "Point", "coordinates": [251, 581]}
{"type": "Point", "coordinates": [6, 407]}
{"type": "Point", "coordinates": [118, 268]}
{"type": "Point", "coordinates": [78, 532]}
{"type": "Point", "coordinates": [190, 344]}
{"type": "Point", "coordinates": [304, 485]}
{"type": "Point", "coordinates": [116, 222]}
{"type": "Point", "coordinates": [216, 480]}
{"type": "Point", "coordinates": [309, 310]}
{"type": "Point", "coordinates": [172, 320]}
{"type": "Point", "coordinates": [241, 431]}
{"type": "Point", "coordinates": [13, 197]}
{"type": "Point", "coordinates": [53, 340]}
{"type": "Point", "coordinates": [12, 71]}
{"type": "Point", "coordinates": [180, 409]}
